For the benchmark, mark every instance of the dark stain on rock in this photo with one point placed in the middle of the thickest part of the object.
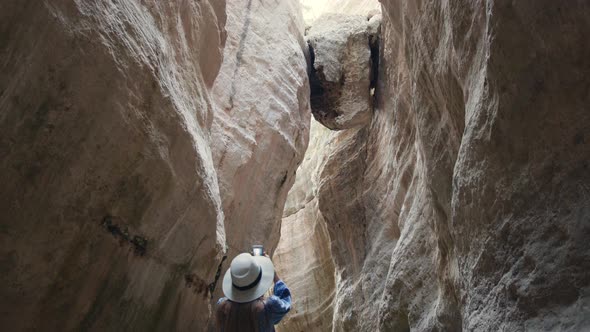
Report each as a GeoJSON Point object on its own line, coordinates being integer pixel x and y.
{"type": "Point", "coordinates": [140, 245]}
{"type": "Point", "coordinates": [374, 47]}
{"type": "Point", "coordinates": [213, 284]}
{"type": "Point", "coordinates": [121, 233]}
{"type": "Point", "coordinates": [324, 95]}
{"type": "Point", "coordinates": [198, 285]}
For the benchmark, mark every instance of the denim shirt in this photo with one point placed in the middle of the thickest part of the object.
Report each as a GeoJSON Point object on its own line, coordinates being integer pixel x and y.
{"type": "Point", "coordinates": [275, 307]}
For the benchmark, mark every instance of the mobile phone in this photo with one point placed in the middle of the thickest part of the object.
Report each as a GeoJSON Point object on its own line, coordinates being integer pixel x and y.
{"type": "Point", "coordinates": [257, 250]}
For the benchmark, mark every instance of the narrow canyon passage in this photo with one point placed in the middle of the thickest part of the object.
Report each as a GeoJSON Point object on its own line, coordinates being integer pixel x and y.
{"type": "Point", "coordinates": [409, 165]}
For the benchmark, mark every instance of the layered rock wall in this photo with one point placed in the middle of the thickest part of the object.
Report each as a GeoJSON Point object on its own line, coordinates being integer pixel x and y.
{"type": "Point", "coordinates": [463, 205]}
{"type": "Point", "coordinates": [491, 95]}
{"type": "Point", "coordinates": [112, 218]}
{"type": "Point", "coordinates": [113, 212]}
{"type": "Point", "coordinates": [131, 171]}
{"type": "Point", "coordinates": [261, 121]}
{"type": "Point", "coordinates": [303, 258]}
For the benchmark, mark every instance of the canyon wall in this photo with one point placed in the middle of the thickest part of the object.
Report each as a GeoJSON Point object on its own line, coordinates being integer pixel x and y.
{"type": "Point", "coordinates": [342, 56]}
{"type": "Point", "coordinates": [139, 155]}
{"type": "Point", "coordinates": [111, 212]}
{"type": "Point", "coordinates": [303, 258]}
{"type": "Point", "coordinates": [463, 204]}
{"type": "Point", "coordinates": [261, 119]}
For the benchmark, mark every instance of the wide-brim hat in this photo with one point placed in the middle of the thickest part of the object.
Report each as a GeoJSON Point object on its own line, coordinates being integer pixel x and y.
{"type": "Point", "coordinates": [248, 278]}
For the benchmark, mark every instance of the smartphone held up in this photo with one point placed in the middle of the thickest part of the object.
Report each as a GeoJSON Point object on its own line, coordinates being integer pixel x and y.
{"type": "Point", "coordinates": [257, 250]}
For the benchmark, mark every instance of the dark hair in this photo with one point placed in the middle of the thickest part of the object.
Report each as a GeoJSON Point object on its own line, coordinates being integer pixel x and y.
{"type": "Point", "coordinates": [239, 317]}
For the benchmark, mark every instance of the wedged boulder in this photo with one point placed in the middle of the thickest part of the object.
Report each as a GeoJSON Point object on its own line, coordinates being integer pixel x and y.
{"type": "Point", "coordinates": [343, 51]}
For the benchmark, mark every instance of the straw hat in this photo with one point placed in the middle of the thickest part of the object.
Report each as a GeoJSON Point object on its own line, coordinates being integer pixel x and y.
{"type": "Point", "coordinates": [248, 278]}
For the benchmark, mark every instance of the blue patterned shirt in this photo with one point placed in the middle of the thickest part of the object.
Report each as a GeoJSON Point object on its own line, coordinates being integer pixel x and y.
{"type": "Point", "coordinates": [275, 307]}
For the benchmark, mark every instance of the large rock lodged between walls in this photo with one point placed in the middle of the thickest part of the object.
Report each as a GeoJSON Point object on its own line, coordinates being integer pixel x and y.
{"type": "Point", "coordinates": [111, 213]}
{"type": "Point", "coordinates": [344, 53]}
{"type": "Point", "coordinates": [316, 231]}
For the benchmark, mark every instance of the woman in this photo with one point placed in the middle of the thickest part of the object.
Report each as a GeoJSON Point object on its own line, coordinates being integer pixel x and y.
{"type": "Point", "coordinates": [244, 307]}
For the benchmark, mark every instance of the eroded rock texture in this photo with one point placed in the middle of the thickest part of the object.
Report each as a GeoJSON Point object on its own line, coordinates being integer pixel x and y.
{"type": "Point", "coordinates": [261, 121]}
{"type": "Point", "coordinates": [463, 205]}
{"type": "Point", "coordinates": [303, 257]}
{"type": "Point", "coordinates": [111, 213]}
{"type": "Point", "coordinates": [341, 75]}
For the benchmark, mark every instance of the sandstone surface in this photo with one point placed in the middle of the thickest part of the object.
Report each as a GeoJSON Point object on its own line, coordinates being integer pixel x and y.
{"type": "Point", "coordinates": [303, 257]}
{"type": "Point", "coordinates": [342, 69]}
{"type": "Point", "coordinates": [463, 205]}
{"type": "Point", "coordinates": [131, 170]}
{"type": "Point", "coordinates": [111, 212]}
{"type": "Point", "coordinates": [261, 121]}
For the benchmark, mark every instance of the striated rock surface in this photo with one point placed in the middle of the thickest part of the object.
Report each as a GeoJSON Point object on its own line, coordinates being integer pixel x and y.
{"type": "Point", "coordinates": [261, 121]}
{"type": "Point", "coordinates": [342, 69]}
{"type": "Point", "coordinates": [131, 166]}
{"type": "Point", "coordinates": [111, 213]}
{"type": "Point", "coordinates": [483, 103]}
{"type": "Point", "coordinates": [463, 204]}
{"type": "Point", "coordinates": [303, 257]}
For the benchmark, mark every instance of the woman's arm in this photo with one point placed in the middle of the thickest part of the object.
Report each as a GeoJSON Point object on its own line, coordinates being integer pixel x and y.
{"type": "Point", "coordinates": [279, 304]}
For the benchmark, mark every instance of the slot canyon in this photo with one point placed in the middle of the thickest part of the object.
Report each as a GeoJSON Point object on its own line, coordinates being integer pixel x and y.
{"type": "Point", "coordinates": [409, 165]}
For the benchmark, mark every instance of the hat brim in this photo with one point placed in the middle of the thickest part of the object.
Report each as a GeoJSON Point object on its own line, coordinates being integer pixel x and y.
{"type": "Point", "coordinates": [239, 296]}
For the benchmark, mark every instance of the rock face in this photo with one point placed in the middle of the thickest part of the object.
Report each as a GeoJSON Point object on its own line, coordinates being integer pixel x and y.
{"type": "Point", "coordinates": [303, 258]}
{"type": "Point", "coordinates": [342, 69]}
{"type": "Point", "coordinates": [261, 121]}
{"type": "Point", "coordinates": [111, 213]}
{"type": "Point", "coordinates": [463, 204]}
{"type": "Point", "coordinates": [129, 166]}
